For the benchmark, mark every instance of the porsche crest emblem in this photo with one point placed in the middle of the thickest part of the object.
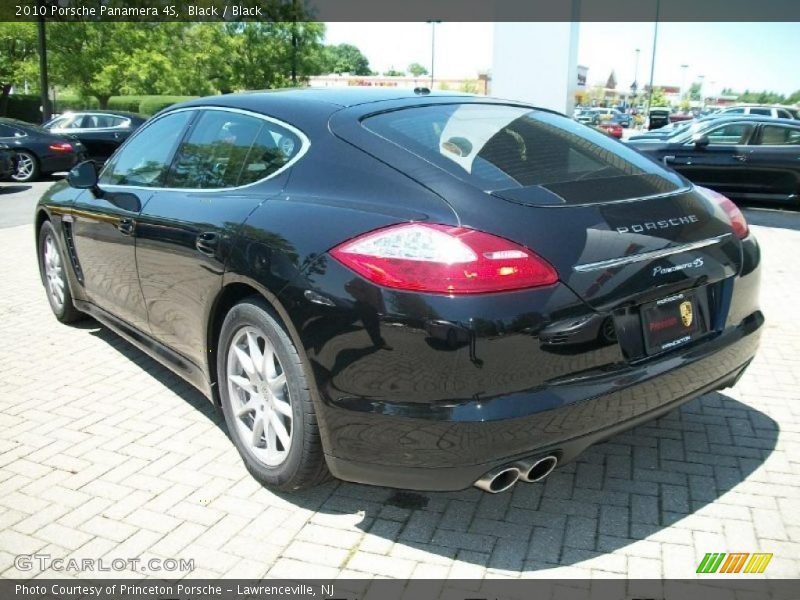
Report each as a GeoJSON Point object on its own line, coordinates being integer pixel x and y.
{"type": "Point", "coordinates": [686, 313]}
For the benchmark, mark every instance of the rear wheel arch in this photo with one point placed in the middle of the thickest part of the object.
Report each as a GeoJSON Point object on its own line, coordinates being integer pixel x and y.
{"type": "Point", "coordinates": [234, 291]}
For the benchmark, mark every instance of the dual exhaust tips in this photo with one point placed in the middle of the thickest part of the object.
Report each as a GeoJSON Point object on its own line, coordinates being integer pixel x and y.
{"type": "Point", "coordinates": [529, 470]}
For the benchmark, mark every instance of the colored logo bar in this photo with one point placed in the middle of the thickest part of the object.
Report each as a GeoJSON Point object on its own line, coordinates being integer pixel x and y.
{"type": "Point", "coordinates": [734, 562]}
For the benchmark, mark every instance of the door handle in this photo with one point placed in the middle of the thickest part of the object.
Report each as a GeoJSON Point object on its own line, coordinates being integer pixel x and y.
{"type": "Point", "coordinates": [740, 157]}
{"type": "Point", "coordinates": [126, 226]}
{"type": "Point", "coordinates": [206, 243]}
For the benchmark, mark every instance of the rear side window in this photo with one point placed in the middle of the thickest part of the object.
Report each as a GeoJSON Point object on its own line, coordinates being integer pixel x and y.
{"type": "Point", "coordinates": [499, 147]}
{"type": "Point", "coordinates": [730, 134]}
{"type": "Point", "coordinates": [227, 149]}
{"type": "Point", "coordinates": [776, 135]}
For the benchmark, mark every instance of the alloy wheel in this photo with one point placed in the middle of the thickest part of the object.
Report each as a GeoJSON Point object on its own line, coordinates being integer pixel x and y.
{"type": "Point", "coordinates": [260, 400]}
{"type": "Point", "coordinates": [53, 272]}
{"type": "Point", "coordinates": [26, 167]}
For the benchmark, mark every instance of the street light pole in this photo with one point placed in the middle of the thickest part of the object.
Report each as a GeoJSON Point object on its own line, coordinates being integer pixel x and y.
{"type": "Point", "coordinates": [683, 81]}
{"type": "Point", "coordinates": [653, 60]}
{"type": "Point", "coordinates": [433, 47]}
{"type": "Point", "coordinates": [44, 87]}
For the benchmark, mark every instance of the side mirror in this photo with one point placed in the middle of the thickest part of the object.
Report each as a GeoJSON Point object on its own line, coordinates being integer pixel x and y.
{"type": "Point", "coordinates": [700, 141]}
{"type": "Point", "coordinates": [83, 176]}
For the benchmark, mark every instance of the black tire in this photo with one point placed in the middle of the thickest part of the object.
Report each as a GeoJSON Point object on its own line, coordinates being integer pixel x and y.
{"type": "Point", "coordinates": [64, 311]}
{"type": "Point", "coordinates": [304, 465]}
{"type": "Point", "coordinates": [32, 169]}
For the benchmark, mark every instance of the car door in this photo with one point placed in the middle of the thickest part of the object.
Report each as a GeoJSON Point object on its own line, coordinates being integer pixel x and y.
{"type": "Point", "coordinates": [229, 162]}
{"type": "Point", "coordinates": [774, 163]}
{"type": "Point", "coordinates": [101, 134]}
{"type": "Point", "coordinates": [104, 220]}
{"type": "Point", "coordinates": [721, 164]}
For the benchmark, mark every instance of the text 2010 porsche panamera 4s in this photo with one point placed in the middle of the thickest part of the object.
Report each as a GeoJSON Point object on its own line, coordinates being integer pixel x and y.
{"type": "Point", "coordinates": [406, 289]}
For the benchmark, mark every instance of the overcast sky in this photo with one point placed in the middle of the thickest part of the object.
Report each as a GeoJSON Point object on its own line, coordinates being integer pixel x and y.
{"type": "Point", "coordinates": [753, 56]}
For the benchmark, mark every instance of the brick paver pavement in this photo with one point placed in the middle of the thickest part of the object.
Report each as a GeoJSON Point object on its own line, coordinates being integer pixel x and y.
{"type": "Point", "coordinates": [106, 454]}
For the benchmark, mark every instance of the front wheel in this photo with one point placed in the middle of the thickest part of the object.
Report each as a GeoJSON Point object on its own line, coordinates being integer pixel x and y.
{"type": "Point", "coordinates": [266, 400]}
{"type": "Point", "coordinates": [52, 268]}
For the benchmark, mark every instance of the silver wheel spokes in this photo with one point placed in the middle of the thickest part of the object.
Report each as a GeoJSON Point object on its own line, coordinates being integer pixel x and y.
{"type": "Point", "coordinates": [259, 396]}
{"type": "Point", "coordinates": [53, 271]}
{"type": "Point", "coordinates": [24, 167]}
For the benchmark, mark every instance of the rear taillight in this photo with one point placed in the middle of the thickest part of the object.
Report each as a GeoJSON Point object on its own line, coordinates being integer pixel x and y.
{"type": "Point", "coordinates": [61, 147]}
{"type": "Point", "coordinates": [443, 259]}
{"type": "Point", "coordinates": [735, 216]}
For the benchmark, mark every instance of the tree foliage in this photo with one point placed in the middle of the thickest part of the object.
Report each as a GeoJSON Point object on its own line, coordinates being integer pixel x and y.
{"type": "Point", "coordinates": [392, 72]}
{"type": "Point", "coordinates": [17, 57]}
{"type": "Point", "coordinates": [417, 70]}
{"type": "Point", "coordinates": [659, 98]}
{"type": "Point", "coordinates": [344, 58]}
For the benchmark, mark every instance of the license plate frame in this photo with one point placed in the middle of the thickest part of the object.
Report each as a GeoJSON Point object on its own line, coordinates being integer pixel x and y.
{"type": "Point", "coordinates": [673, 321]}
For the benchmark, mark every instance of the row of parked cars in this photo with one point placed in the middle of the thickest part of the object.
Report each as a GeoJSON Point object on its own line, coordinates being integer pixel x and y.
{"type": "Point", "coordinates": [745, 155]}
{"type": "Point", "coordinates": [28, 151]}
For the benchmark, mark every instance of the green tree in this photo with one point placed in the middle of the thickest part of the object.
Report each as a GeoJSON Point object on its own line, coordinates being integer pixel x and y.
{"type": "Point", "coordinates": [264, 55]}
{"type": "Point", "coordinates": [392, 72]}
{"type": "Point", "coordinates": [695, 91]}
{"type": "Point", "coordinates": [344, 58]}
{"type": "Point", "coordinates": [17, 57]}
{"type": "Point", "coordinates": [417, 70]}
{"type": "Point", "coordinates": [659, 98]}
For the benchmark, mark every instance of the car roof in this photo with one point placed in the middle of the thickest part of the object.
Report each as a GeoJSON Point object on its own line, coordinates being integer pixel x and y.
{"type": "Point", "coordinates": [339, 97]}
{"type": "Point", "coordinates": [118, 113]}
{"type": "Point", "coordinates": [310, 108]}
{"type": "Point", "coordinates": [752, 119]}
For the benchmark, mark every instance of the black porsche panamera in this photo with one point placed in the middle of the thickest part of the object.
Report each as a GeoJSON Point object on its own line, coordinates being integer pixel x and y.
{"type": "Point", "coordinates": [407, 289]}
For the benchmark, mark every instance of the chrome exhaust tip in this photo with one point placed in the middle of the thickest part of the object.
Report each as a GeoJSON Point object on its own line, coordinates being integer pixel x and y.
{"type": "Point", "coordinates": [536, 469]}
{"type": "Point", "coordinates": [499, 479]}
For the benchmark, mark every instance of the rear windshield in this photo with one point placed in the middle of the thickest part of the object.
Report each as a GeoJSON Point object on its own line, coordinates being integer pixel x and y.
{"type": "Point", "coordinates": [534, 157]}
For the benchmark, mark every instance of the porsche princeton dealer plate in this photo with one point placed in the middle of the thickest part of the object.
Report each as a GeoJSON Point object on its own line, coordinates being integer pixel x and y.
{"type": "Point", "coordinates": [672, 321]}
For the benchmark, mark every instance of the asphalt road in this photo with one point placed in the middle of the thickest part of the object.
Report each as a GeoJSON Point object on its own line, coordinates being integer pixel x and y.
{"type": "Point", "coordinates": [17, 201]}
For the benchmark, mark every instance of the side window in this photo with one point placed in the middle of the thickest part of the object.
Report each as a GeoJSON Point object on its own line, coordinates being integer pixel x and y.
{"type": "Point", "coordinates": [775, 135]}
{"type": "Point", "coordinates": [227, 149]}
{"type": "Point", "coordinates": [144, 160]}
{"type": "Point", "coordinates": [274, 147]}
{"type": "Point", "coordinates": [784, 114]}
{"type": "Point", "coordinates": [60, 122]}
{"type": "Point", "coordinates": [103, 121]}
{"type": "Point", "coordinates": [9, 131]}
{"type": "Point", "coordinates": [730, 134]}
{"type": "Point", "coordinates": [766, 112]}
{"type": "Point", "coordinates": [732, 111]}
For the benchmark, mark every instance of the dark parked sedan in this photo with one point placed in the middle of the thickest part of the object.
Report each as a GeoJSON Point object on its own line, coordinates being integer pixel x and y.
{"type": "Point", "coordinates": [422, 291]}
{"type": "Point", "coordinates": [7, 161]}
{"type": "Point", "coordinates": [101, 132]}
{"type": "Point", "coordinates": [745, 158]}
{"type": "Point", "coordinates": [39, 152]}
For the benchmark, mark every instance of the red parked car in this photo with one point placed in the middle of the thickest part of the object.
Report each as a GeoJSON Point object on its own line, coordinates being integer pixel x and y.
{"type": "Point", "coordinates": [612, 129]}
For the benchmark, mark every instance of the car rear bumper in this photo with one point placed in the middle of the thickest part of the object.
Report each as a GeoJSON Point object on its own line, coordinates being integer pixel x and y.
{"type": "Point", "coordinates": [429, 452]}
{"type": "Point", "coordinates": [56, 163]}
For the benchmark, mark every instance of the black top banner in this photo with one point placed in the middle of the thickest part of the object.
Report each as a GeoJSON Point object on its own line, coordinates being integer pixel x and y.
{"type": "Point", "coordinates": [401, 10]}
